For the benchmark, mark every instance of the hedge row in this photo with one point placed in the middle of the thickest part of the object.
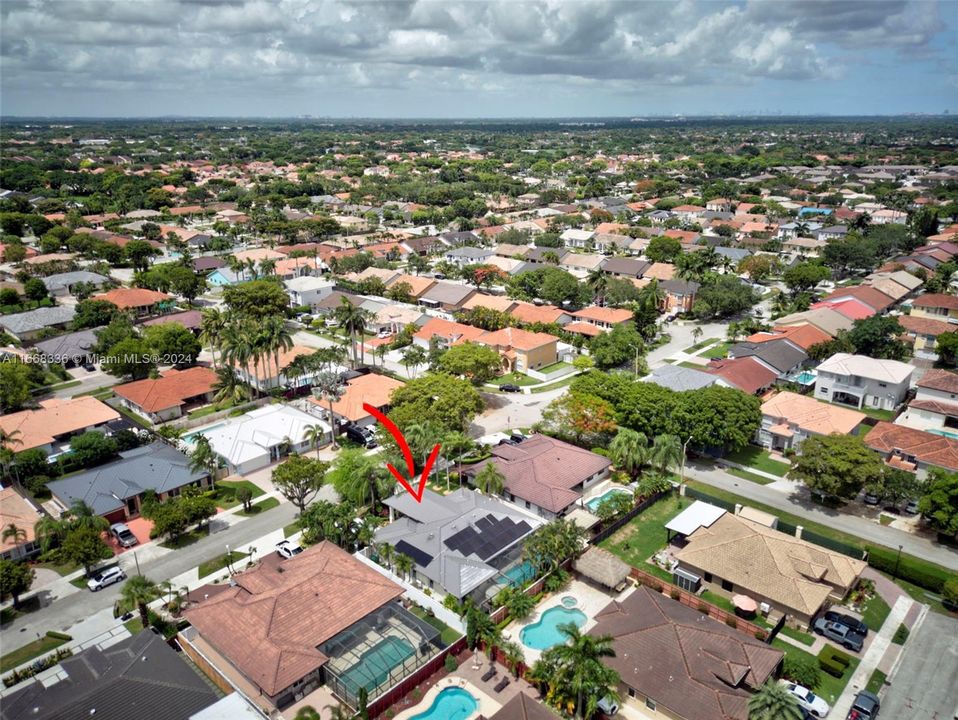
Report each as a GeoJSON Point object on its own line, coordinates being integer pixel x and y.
{"type": "Point", "coordinates": [833, 661]}
{"type": "Point", "coordinates": [918, 572]}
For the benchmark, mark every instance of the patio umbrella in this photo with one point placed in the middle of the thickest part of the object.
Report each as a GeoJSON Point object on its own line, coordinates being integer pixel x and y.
{"type": "Point", "coordinates": [744, 603]}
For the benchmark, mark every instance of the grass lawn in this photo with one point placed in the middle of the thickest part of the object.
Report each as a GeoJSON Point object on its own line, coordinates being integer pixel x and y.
{"type": "Point", "coordinates": [888, 415]}
{"type": "Point", "coordinates": [291, 529]}
{"type": "Point", "coordinates": [746, 475]}
{"type": "Point", "coordinates": [701, 344]}
{"type": "Point", "coordinates": [446, 633]}
{"type": "Point", "coordinates": [875, 612]}
{"type": "Point", "coordinates": [758, 459]}
{"type": "Point", "coordinates": [803, 638]}
{"type": "Point", "coordinates": [645, 535]}
{"type": "Point", "coordinates": [28, 652]}
{"type": "Point", "coordinates": [79, 582]}
{"type": "Point", "coordinates": [225, 493]}
{"type": "Point", "coordinates": [187, 538]}
{"type": "Point", "coordinates": [829, 687]}
{"type": "Point", "coordinates": [553, 367]}
{"type": "Point", "coordinates": [134, 626]}
{"type": "Point", "coordinates": [719, 600]}
{"type": "Point", "coordinates": [8, 614]}
{"type": "Point", "coordinates": [876, 682]}
{"type": "Point", "coordinates": [717, 351]}
{"type": "Point", "coordinates": [62, 386]}
{"type": "Point", "coordinates": [133, 417]}
{"type": "Point", "coordinates": [694, 366]}
{"type": "Point", "coordinates": [514, 379]}
{"type": "Point", "coordinates": [261, 507]}
{"type": "Point", "coordinates": [208, 567]}
{"type": "Point", "coordinates": [554, 386]}
{"type": "Point", "coordinates": [885, 519]}
{"type": "Point", "coordinates": [60, 570]}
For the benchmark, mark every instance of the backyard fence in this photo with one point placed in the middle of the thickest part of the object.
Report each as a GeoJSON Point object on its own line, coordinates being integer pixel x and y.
{"type": "Point", "coordinates": [621, 522]}
{"type": "Point", "coordinates": [710, 499]}
{"type": "Point", "coordinates": [394, 695]}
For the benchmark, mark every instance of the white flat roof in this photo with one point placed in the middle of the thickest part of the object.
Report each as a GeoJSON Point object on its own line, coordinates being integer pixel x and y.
{"type": "Point", "coordinates": [698, 514]}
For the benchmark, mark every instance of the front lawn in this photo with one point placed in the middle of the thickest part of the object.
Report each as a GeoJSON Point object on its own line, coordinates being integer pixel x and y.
{"type": "Point", "coordinates": [701, 344]}
{"type": "Point", "coordinates": [876, 682]}
{"type": "Point", "coordinates": [829, 687]}
{"type": "Point", "coordinates": [514, 379]}
{"type": "Point", "coordinates": [208, 567]}
{"type": "Point", "coordinates": [553, 367]}
{"type": "Point", "coordinates": [61, 570]}
{"type": "Point", "coordinates": [225, 493]}
{"type": "Point", "coordinates": [24, 654]}
{"type": "Point", "coordinates": [567, 380]}
{"type": "Point", "coordinates": [261, 507]}
{"type": "Point", "coordinates": [758, 459]}
{"type": "Point", "coordinates": [646, 534]}
{"type": "Point", "coordinates": [875, 612]}
{"type": "Point", "coordinates": [716, 352]}
{"type": "Point", "coordinates": [187, 538]}
{"type": "Point", "coordinates": [291, 529]}
{"type": "Point", "coordinates": [802, 637]}
{"type": "Point", "coordinates": [746, 475]}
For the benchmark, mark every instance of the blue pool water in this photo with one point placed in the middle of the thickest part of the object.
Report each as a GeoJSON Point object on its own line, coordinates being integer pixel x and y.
{"type": "Point", "coordinates": [188, 437]}
{"type": "Point", "coordinates": [943, 433]}
{"type": "Point", "coordinates": [450, 704]}
{"type": "Point", "coordinates": [806, 378]}
{"type": "Point", "coordinates": [517, 575]}
{"type": "Point", "coordinates": [544, 633]}
{"type": "Point", "coordinates": [594, 503]}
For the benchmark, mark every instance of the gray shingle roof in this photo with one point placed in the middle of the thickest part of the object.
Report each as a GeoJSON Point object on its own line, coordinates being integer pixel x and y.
{"type": "Point", "coordinates": [779, 354]}
{"type": "Point", "coordinates": [156, 467]}
{"type": "Point", "coordinates": [626, 266]}
{"type": "Point", "coordinates": [679, 378]}
{"type": "Point", "coordinates": [37, 319]}
{"type": "Point", "coordinates": [73, 346]}
{"type": "Point", "coordinates": [62, 280]}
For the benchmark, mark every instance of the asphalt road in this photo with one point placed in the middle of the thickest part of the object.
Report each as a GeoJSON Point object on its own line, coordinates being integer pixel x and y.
{"type": "Point", "coordinates": [925, 686]}
{"type": "Point", "coordinates": [65, 612]}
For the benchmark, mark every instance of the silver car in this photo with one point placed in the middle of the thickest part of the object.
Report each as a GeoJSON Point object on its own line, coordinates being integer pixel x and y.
{"type": "Point", "coordinates": [105, 578]}
{"type": "Point", "coordinates": [124, 536]}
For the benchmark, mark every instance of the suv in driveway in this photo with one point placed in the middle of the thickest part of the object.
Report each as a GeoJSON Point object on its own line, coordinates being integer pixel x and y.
{"type": "Point", "coordinates": [839, 633]}
{"type": "Point", "coordinates": [105, 578]}
{"type": "Point", "coordinates": [362, 435]}
{"type": "Point", "coordinates": [865, 706]}
{"type": "Point", "coordinates": [124, 536]}
{"type": "Point", "coordinates": [849, 621]}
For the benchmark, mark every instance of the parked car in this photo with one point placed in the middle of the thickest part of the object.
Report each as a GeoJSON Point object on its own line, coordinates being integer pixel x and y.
{"type": "Point", "coordinates": [105, 578]}
{"type": "Point", "coordinates": [844, 636]}
{"type": "Point", "coordinates": [912, 507]}
{"type": "Point", "coordinates": [89, 367]}
{"type": "Point", "coordinates": [509, 387]}
{"type": "Point", "coordinates": [849, 621]}
{"type": "Point", "coordinates": [871, 499]}
{"type": "Point", "coordinates": [286, 549]}
{"type": "Point", "coordinates": [123, 535]}
{"type": "Point", "coordinates": [362, 435]}
{"type": "Point", "coordinates": [808, 700]}
{"type": "Point", "coordinates": [383, 334]}
{"type": "Point", "coordinates": [865, 706]}
{"type": "Point", "coordinates": [608, 706]}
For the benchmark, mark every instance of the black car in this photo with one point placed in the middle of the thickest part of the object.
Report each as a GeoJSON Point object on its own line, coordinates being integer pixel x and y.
{"type": "Point", "coordinates": [363, 436]}
{"type": "Point", "coordinates": [852, 623]}
{"type": "Point", "coordinates": [865, 706]}
{"type": "Point", "coordinates": [509, 387]}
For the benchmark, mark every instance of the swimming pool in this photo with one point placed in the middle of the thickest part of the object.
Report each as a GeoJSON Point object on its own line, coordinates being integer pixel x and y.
{"type": "Point", "coordinates": [450, 704]}
{"type": "Point", "coordinates": [544, 633]}
{"type": "Point", "coordinates": [594, 503]}
{"type": "Point", "coordinates": [517, 574]}
{"type": "Point", "coordinates": [376, 663]}
{"type": "Point", "coordinates": [188, 437]}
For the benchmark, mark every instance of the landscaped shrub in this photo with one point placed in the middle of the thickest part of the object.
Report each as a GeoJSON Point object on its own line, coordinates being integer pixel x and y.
{"type": "Point", "coordinates": [831, 667]}
{"type": "Point", "coordinates": [760, 635]}
{"type": "Point", "coordinates": [59, 635]}
{"type": "Point", "coordinates": [801, 670]}
{"type": "Point", "coordinates": [674, 593]}
{"type": "Point", "coordinates": [704, 608]}
{"type": "Point", "coordinates": [923, 574]}
{"type": "Point", "coordinates": [450, 663]}
{"type": "Point", "coordinates": [833, 661]}
{"type": "Point", "coordinates": [901, 635]}
{"type": "Point", "coordinates": [731, 621]}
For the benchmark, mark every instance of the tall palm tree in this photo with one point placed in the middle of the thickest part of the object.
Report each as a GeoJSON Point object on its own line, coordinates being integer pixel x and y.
{"type": "Point", "coordinates": [353, 318]}
{"type": "Point", "coordinates": [598, 283]}
{"type": "Point", "coordinates": [139, 591]}
{"type": "Point", "coordinates": [489, 480]}
{"type": "Point", "coordinates": [202, 456]}
{"type": "Point", "coordinates": [773, 702]}
{"type": "Point", "coordinates": [315, 435]}
{"type": "Point", "coordinates": [238, 348]}
{"type": "Point", "coordinates": [666, 453]}
{"type": "Point", "coordinates": [413, 356]}
{"type": "Point", "coordinates": [8, 439]}
{"type": "Point", "coordinates": [228, 389]}
{"type": "Point", "coordinates": [387, 552]}
{"type": "Point", "coordinates": [581, 670]}
{"type": "Point", "coordinates": [250, 268]}
{"type": "Point", "coordinates": [267, 266]}
{"type": "Point", "coordinates": [456, 444]}
{"type": "Point", "coordinates": [404, 565]}
{"type": "Point", "coordinates": [422, 438]}
{"type": "Point", "coordinates": [82, 515]}
{"type": "Point", "coordinates": [629, 451]}
{"type": "Point", "coordinates": [696, 333]}
{"type": "Point", "coordinates": [328, 386]}
{"type": "Point", "coordinates": [278, 339]}
{"type": "Point", "coordinates": [211, 329]}
{"type": "Point", "coordinates": [50, 531]}
{"type": "Point", "coordinates": [512, 655]}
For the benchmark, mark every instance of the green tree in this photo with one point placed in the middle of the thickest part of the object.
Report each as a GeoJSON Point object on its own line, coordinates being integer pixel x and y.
{"type": "Point", "coordinates": [629, 450]}
{"type": "Point", "coordinates": [663, 249]}
{"type": "Point", "coordinates": [139, 253]}
{"type": "Point", "coordinates": [14, 385]}
{"type": "Point", "coordinates": [139, 591]}
{"type": "Point", "coordinates": [15, 579]}
{"type": "Point", "coordinates": [578, 673]}
{"type": "Point", "coordinates": [552, 544]}
{"type": "Point", "coordinates": [924, 222]}
{"type": "Point", "coordinates": [518, 603]}
{"type": "Point", "coordinates": [257, 299]}
{"type": "Point", "coordinates": [92, 448]}
{"type": "Point", "coordinates": [836, 466]}
{"type": "Point", "coordinates": [413, 356]}
{"type": "Point", "coordinates": [479, 363]}
{"type": "Point", "coordinates": [585, 420]}
{"type": "Point", "coordinates": [299, 479]}
{"type": "Point", "coordinates": [490, 480]}
{"type": "Point", "coordinates": [619, 346]}
{"type": "Point", "coordinates": [877, 337]}
{"type": "Point", "coordinates": [202, 457]}
{"type": "Point", "coordinates": [447, 401]}
{"type": "Point", "coordinates": [803, 277]}
{"type": "Point", "coordinates": [717, 417]}
{"type": "Point", "coordinates": [360, 478]}
{"type": "Point", "coordinates": [34, 289]}
{"type": "Point", "coordinates": [773, 702]}
{"type": "Point", "coordinates": [173, 343]}
{"type": "Point", "coordinates": [723, 296]}
{"type": "Point", "coordinates": [946, 346]}
{"type": "Point", "coordinates": [129, 358]}
{"type": "Point", "coordinates": [939, 504]}
{"type": "Point", "coordinates": [84, 546]}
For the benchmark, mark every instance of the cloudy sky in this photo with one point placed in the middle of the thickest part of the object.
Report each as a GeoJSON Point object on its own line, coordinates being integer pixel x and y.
{"type": "Point", "coordinates": [452, 58]}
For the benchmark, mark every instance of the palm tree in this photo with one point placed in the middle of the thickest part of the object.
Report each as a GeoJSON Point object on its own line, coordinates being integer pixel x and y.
{"type": "Point", "coordinates": [422, 438]}
{"type": "Point", "coordinates": [353, 318]}
{"type": "Point", "coordinates": [228, 389]}
{"type": "Point", "coordinates": [315, 435]}
{"type": "Point", "coordinates": [267, 266]}
{"type": "Point", "coordinates": [8, 438]}
{"type": "Point", "coordinates": [773, 702]}
{"type": "Point", "coordinates": [211, 329]}
{"type": "Point", "coordinates": [666, 453]}
{"type": "Point", "coordinates": [82, 515]}
{"type": "Point", "coordinates": [238, 348]}
{"type": "Point", "coordinates": [581, 671]}
{"type": "Point", "coordinates": [14, 533]}
{"type": "Point", "coordinates": [414, 356]}
{"type": "Point", "coordinates": [458, 444]}
{"type": "Point", "coordinates": [404, 564]}
{"type": "Point", "coordinates": [512, 655]}
{"type": "Point", "coordinates": [51, 531]}
{"type": "Point", "coordinates": [653, 294]}
{"type": "Point", "coordinates": [598, 283]}
{"type": "Point", "coordinates": [489, 480]}
{"type": "Point", "coordinates": [202, 457]}
{"type": "Point", "coordinates": [696, 333]}
{"type": "Point", "coordinates": [328, 386]}
{"type": "Point", "coordinates": [387, 552]}
{"type": "Point", "coordinates": [139, 591]}
{"type": "Point", "coordinates": [629, 451]}
{"type": "Point", "coordinates": [250, 267]}
{"type": "Point", "coordinates": [277, 339]}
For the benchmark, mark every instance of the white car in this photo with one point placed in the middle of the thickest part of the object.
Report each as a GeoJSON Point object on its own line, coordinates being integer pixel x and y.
{"type": "Point", "coordinates": [105, 578]}
{"type": "Point", "coordinates": [808, 700]}
{"type": "Point", "coordinates": [286, 549]}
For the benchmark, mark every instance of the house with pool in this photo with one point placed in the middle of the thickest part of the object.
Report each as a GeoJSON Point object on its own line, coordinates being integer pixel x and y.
{"type": "Point", "coordinates": [314, 628]}
{"type": "Point", "coordinates": [465, 544]}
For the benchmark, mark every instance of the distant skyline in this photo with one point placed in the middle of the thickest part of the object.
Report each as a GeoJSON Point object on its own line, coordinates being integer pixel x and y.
{"type": "Point", "coordinates": [472, 59]}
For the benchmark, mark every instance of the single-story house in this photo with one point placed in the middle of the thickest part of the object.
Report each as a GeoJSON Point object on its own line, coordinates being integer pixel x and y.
{"type": "Point", "coordinates": [548, 314]}
{"type": "Point", "coordinates": [824, 318]}
{"type": "Point", "coordinates": [28, 325]}
{"type": "Point", "coordinates": [169, 396]}
{"type": "Point", "coordinates": [17, 511]}
{"type": "Point", "coordinates": [780, 355]}
{"type": "Point", "coordinates": [55, 421]}
{"type": "Point", "coordinates": [625, 267]}
{"type": "Point", "coordinates": [446, 332]}
{"type": "Point", "coordinates": [789, 418]}
{"type": "Point", "coordinates": [545, 475]}
{"type": "Point", "coordinates": [802, 336]}
{"type": "Point", "coordinates": [115, 490]}
{"type": "Point", "coordinates": [500, 303]}
{"type": "Point", "coordinates": [678, 378]}
{"type": "Point", "coordinates": [192, 320]}
{"type": "Point", "coordinates": [61, 284]}
{"type": "Point", "coordinates": [67, 350]}
{"type": "Point", "coordinates": [747, 374]}
{"type": "Point", "coordinates": [141, 301]}
{"type": "Point", "coordinates": [445, 296]}
{"type": "Point", "coordinates": [418, 285]}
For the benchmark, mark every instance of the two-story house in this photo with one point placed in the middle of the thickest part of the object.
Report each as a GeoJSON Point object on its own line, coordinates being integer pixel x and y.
{"type": "Point", "coordinates": [935, 407]}
{"type": "Point", "coordinates": [936, 306]}
{"type": "Point", "coordinates": [863, 382]}
{"type": "Point", "coordinates": [468, 255]}
{"type": "Point", "coordinates": [522, 350]}
{"type": "Point", "coordinates": [789, 418]}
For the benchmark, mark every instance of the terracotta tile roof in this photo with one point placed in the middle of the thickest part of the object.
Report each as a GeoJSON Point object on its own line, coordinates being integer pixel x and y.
{"type": "Point", "coordinates": [170, 390]}
{"type": "Point", "coordinates": [939, 380]}
{"type": "Point", "coordinates": [613, 316]}
{"type": "Point", "coordinates": [766, 563]}
{"type": "Point", "coordinates": [870, 296]}
{"type": "Point", "coordinates": [802, 335]}
{"type": "Point", "coordinates": [935, 406]}
{"type": "Point", "coordinates": [529, 313]}
{"type": "Point", "coordinates": [936, 300]}
{"type": "Point", "coordinates": [491, 302]}
{"type": "Point", "coordinates": [926, 447]}
{"type": "Point", "coordinates": [747, 374]}
{"type": "Point", "coordinates": [257, 254]}
{"type": "Point", "coordinates": [56, 417]}
{"type": "Point", "coordinates": [852, 308]}
{"type": "Point", "coordinates": [516, 338]}
{"type": "Point", "coordinates": [418, 285]}
{"type": "Point", "coordinates": [545, 471]}
{"type": "Point", "coordinates": [126, 298]}
{"type": "Point", "coordinates": [271, 624]}
{"type": "Point", "coordinates": [660, 271]}
{"type": "Point", "coordinates": [372, 388]}
{"type": "Point", "coordinates": [582, 328]}
{"type": "Point", "coordinates": [925, 326]}
{"type": "Point", "coordinates": [810, 415]}
{"type": "Point", "coordinates": [452, 332]}
{"type": "Point", "coordinates": [14, 510]}
{"type": "Point", "coordinates": [689, 664]}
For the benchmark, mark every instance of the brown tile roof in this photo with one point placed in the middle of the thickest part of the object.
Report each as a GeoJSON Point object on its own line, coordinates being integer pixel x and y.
{"type": "Point", "coordinates": [939, 380]}
{"type": "Point", "coordinates": [171, 389]}
{"type": "Point", "coordinates": [926, 447]}
{"type": "Point", "coordinates": [935, 406]}
{"type": "Point", "coordinates": [687, 662]}
{"type": "Point", "coordinates": [512, 337]}
{"type": "Point", "coordinates": [418, 285]}
{"type": "Point", "coordinates": [55, 417]}
{"type": "Point", "coordinates": [524, 707]}
{"type": "Point", "coordinates": [492, 302]}
{"type": "Point", "coordinates": [272, 623]}
{"type": "Point", "coordinates": [14, 510]}
{"type": "Point", "coordinates": [747, 374]}
{"type": "Point", "coordinates": [267, 370]}
{"type": "Point", "coordinates": [936, 300]}
{"type": "Point", "coordinates": [451, 332]}
{"type": "Point", "coordinates": [870, 296]}
{"type": "Point", "coordinates": [126, 298]}
{"type": "Point", "coordinates": [925, 326]}
{"type": "Point", "coordinates": [583, 328]}
{"type": "Point", "coordinates": [190, 319]}
{"type": "Point", "coordinates": [544, 470]}
{"type": "Point", "coordinates": [660, 271]}
{"type": "Point", "coordinates": [802, 335]}
{"type": "Point", "coordinates": [373, 389]}
{"type": "Point", "coordinates": [770, 564]}
{"type": "Point", "coordinates": [529, 313]}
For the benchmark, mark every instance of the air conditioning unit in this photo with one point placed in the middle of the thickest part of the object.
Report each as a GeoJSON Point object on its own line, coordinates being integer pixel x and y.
{"type": "Point", "coordinates": [764, 608]}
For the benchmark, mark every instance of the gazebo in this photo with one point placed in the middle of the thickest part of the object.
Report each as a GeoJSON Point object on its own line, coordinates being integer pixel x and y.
{"type": "Point", "coordinates": [603, 567]}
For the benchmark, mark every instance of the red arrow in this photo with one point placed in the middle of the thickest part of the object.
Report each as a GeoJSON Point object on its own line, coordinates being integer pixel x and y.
{"type": "Point", "coordinates": [407, 453]}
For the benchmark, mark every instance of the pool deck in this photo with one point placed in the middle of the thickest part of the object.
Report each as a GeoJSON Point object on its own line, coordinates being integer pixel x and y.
{"type": "Point", "coordinates": [589, 600]}
{"type": "Point", "coordinates": [487, 705]}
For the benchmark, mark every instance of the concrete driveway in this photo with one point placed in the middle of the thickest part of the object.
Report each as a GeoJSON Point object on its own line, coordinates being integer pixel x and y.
{"type": "Point", "coordinates": [925, 685]}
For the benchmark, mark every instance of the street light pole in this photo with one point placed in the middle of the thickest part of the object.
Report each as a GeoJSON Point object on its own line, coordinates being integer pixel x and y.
{"type": "Point", "coordinates": [897, 560]}
{"type": "Point", "coordinates": [229, 560]}
{"type": "Point", "coordinates": [684, 447]}
{"type": "Point", "coordinates": [635, 367]}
